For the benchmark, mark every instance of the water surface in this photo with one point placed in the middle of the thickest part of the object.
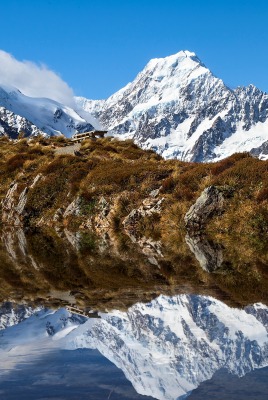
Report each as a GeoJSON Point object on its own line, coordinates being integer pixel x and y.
{"type": "Point", "coordinates": [178, 320]}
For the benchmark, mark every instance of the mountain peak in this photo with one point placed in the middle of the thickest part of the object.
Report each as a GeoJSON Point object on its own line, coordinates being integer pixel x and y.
{"type": "Point", "coordinates": [180, 55]}
{"type": "Point", "coordinates": [178, 108]}
{"type": "Point", "coordinates": [183, 56]}
{"type": "Point", "coordinates": [182, 67]}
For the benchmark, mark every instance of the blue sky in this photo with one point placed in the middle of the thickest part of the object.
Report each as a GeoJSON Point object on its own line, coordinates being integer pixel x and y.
{"type": "Point", "coordinates": [99, 46]}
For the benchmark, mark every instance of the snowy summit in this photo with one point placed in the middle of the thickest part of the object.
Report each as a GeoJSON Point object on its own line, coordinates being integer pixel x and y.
{"type": "Point", "coordinates": [174, 106]}
{"type": "Point", "coordinates": [177, 107]}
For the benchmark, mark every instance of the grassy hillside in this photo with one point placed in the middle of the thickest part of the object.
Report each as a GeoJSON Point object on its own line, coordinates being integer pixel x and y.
{"type": "Point", "coordinates": [123, 175]}
{"type": "Point", "coordinates": [111, 168]}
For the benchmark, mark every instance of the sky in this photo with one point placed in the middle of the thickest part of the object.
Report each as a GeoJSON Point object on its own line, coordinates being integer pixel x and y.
{"type": "Point", "coordinates": [93, 48]}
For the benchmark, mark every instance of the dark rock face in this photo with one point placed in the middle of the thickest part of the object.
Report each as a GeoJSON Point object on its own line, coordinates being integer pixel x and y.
{"type": "Point", "coordinates": [261, 152]}
{"type": "Point", "coordinates": [208, 204]}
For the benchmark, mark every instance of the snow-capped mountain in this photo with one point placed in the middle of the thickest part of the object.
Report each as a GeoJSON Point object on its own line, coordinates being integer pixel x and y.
{"type": "Point", "coordinates": [166, 348]}
{"type": "Point", "coordinates": [12, 125]}
{"type": "Point", "coordinates": [37, 115]}
{"type": "Point", "coordinates": [88, 109]}
{"type": "Point", "coordinates": [177, 107]}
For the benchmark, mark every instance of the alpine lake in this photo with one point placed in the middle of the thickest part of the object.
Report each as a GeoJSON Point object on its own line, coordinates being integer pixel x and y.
{"type": "Point", "coordinates": [84, 317]}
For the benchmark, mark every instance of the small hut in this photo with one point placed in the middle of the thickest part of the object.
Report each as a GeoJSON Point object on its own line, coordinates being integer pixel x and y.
{"type": "Point", "coordinates": [79, 137]}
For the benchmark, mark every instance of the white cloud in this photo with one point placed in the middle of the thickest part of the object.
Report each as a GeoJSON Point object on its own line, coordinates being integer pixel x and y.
{"type": "Point", "coordinates": [33, 80]}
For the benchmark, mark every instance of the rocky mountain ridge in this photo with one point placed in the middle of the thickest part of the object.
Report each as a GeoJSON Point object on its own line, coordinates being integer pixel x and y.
{"type": "Point", "coordinates": [178, 108]}
{"type": "Point", "coordinates": [13, 125]}
{"type": "Point", "coordinates": [175, 106]}
{"type": "Point", "coordinates": [28, 116]}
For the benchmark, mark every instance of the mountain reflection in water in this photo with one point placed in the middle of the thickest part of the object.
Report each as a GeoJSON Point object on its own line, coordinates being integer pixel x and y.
{"type": "Point", "coordinates": [173, 318]}
{"type": "Point", "coordinates": [166, 348]}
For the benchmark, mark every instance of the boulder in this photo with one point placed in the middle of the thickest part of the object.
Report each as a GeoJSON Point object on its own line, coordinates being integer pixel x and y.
{"type": "Point", "coordinates": [210, 203]}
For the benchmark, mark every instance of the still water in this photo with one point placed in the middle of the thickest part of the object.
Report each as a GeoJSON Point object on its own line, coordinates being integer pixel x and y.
{"type": "Point", "coordinates": [82, 319]}
{"type": "Point", "coordinates": [166, 349]}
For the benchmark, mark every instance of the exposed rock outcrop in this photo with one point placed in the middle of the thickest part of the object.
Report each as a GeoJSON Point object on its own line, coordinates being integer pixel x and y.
{"type": "Point", "coordinates": [13, 205]}
{"type": "Point", "coordinates": [102, 220]}
{"type": "Point", "coordinates": [151, 205]}
{"type": "Point", "coordinates": [73, 208]}
{"type": "Point", "coordinates": [73, 238]}
{"type": "Point", "coordinates": [152, 249]}
{"type": "Point", "coordinates": [9, 214]}
{"type": "Point", "coordinates": [210, 203]}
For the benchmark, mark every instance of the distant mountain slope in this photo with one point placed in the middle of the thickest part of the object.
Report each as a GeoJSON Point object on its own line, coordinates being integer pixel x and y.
{"type": "Point", "coordinates": [37, 115]}
{"type": "Point", "coordinates": [177, 107]}
{"type": "Point", "coordinates": [12, 125]}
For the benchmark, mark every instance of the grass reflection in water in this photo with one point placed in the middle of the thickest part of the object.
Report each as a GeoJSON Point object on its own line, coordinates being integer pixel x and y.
{"type": "Point", "coordinates": [57, 268]}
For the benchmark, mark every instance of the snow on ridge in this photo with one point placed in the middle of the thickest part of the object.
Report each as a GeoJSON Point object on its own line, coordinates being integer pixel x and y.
{"type": "Point", "coordinates": [180, 91]}
{"type": "Point", "coordinates": [172, 59]}
{"type": "Point", "coordinates": [248, 140]}
{"type": "Point", "coordinates": [174, 106]}
{"type": "Point", "coordinates": [49, 116]}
